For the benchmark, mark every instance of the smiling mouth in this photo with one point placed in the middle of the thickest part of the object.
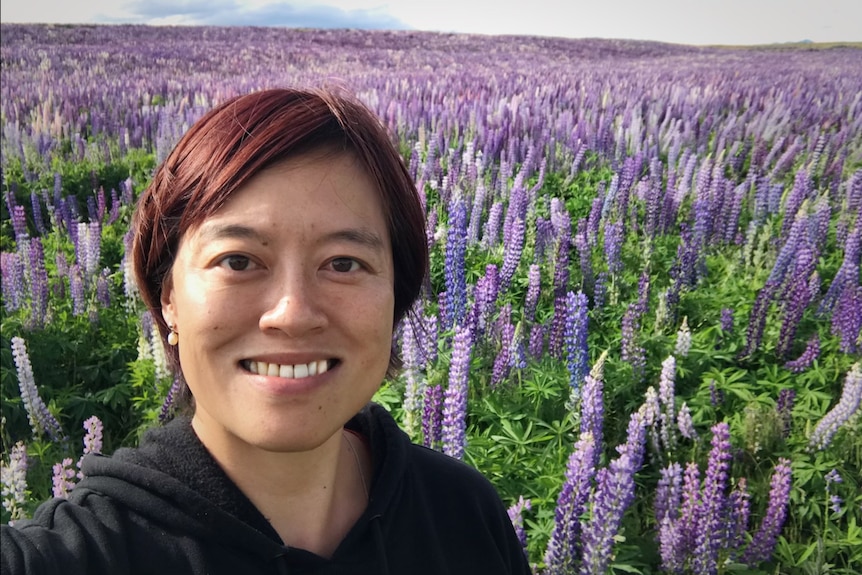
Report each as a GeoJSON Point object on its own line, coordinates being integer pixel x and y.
{"type": "Point", "coordinates": [295, 371]}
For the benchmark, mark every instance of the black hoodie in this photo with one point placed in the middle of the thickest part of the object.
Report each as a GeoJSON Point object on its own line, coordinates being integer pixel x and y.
{"type": "Point", "coordinates": [167, 507]}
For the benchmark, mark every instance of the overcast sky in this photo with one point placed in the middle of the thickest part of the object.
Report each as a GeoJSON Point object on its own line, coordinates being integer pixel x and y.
{"type": "Point", "coordinates": [677, 21]}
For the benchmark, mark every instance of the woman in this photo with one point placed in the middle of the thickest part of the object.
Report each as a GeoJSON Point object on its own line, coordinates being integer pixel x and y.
{"type": "Point", "coordinates": [277, 247]}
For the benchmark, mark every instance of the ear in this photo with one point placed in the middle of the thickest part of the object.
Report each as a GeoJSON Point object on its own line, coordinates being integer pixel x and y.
{"type": "Point", "coordinates": [167, 300]}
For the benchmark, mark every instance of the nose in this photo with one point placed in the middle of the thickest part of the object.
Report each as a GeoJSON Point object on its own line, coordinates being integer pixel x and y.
{"type": "Point", "coordinates": [296, 310]}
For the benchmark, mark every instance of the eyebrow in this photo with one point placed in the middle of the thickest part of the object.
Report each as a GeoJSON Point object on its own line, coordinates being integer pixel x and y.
{"type": "Point", "coordinates": [360, 236]}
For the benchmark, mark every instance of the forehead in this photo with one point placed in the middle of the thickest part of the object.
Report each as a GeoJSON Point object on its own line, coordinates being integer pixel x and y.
{"type": "Point", "coordinates": [324, 188]}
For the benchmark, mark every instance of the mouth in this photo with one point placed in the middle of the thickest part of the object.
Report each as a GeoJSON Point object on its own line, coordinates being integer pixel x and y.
{"type": "Point", "coordinates": [294, 371]}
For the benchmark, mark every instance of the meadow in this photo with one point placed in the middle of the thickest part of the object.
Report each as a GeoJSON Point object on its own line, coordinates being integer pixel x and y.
{"type": "Point", "coordinates": [643, 319]}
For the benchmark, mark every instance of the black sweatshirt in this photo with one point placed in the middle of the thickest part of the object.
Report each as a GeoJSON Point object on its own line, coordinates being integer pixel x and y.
{"type": "Point", "coordinates": [167, 507]}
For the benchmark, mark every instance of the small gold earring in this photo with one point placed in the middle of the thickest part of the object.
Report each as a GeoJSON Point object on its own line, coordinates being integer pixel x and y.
{"type": "Point", "coordinates": [173, 337]}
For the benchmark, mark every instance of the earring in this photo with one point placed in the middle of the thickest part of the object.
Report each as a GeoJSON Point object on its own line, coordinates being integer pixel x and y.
{"type": "Point", "coordinates": [173, 337]}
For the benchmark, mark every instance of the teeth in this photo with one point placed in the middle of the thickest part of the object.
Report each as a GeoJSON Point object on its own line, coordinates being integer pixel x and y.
{"type": "Point", "coordinates": [297, 371]}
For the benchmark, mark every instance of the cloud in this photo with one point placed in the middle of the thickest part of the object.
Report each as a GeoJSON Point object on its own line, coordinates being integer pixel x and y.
{"type": "Point", "coordinates": [239, 13]}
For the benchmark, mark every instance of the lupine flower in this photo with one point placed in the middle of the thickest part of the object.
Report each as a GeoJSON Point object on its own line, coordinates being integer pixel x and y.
{"type": "Point", "coordinates": [784, 408]}
{"type": "Point", "coordinates": [614, 492]}
{"type": "Point", "coordinates": [534, 286]}
{"type": "Point", "coordinates": [668, 494]}
{"type": "Point", "coordinates": [491, 231]}
{"type": "Point", "coordinates": [836, 502]}
{"type": "Point", "coordinates": [92, 440]}
{"type": "Point", "coordinates": [686, 425]}
{"type": "Point", "coordinates": [514, 247]}
{"type": "Point", "coordinates": [432, 417]}
{"type": "Point", "coordinates": [667, 403]}
{"type": "Point", "coordinates": [716, 396]}
{"type": "Point", "coordinates": [455, 399]}
{"type": "Point", "coordinates": [713, 505]}
{"type": "Point", "coordinates": [63, 478]}
{"type": "Point", "coordinates": [683, 339]}
{"type": "Point", "coordinates": [592, 408]}
{"type": "Point", "coordinates": [564, 546]}
{"type": "Point", "coordinates": [804, 361]}
{"type": "Point", "coordinates": [157, 352]}
{"type": "Point", "coordinates": [847, 318]}
{"type": "Point", "coordinates": [103, 289]}
{"type": "Point", "coordinates": [670, 546]}
{"type": "Point", "coordinates": [833, 477]}
{"type": "Point", "coordinates": [41, 420]}
{"type": "Point", "coordinates": [455, 276]}
{"type": "Point", "coordinates": [689, 510]}
{"type": "Point", "coordinates": [516, 516]}
{"type": "Point", "coordinates": [577, 323]}
{"type": "Point", "coordinates": [485, 298]}
{"type": "Point", "coordinates": [757, 319]}
{"type": "Point", "coordinates": [13, 478]}
{"type": "Point", "coordinates": [763, 541]}
{"type": "Point", "coordinates": [726, 320]}
{"type": "Point", "coordinates": [38, 283]}
{"type": "Point", "coordinates": [12, 277]}
{"type": "Point", "coordinates": [76, 289]}
{"type": "Point", "coordinates": [739, 511]}
{"type": "Point", "coordinates": [19, 223]}
{"type": "Point", "coordinates": [613, 241]}
{"type": "Point", "coordinates": [37, 213]}
{"type": "Point", "coordinates": [851, 397]}
{"type": "Point", "coordinates": [632, 352]}
{"type": "Point", "coordinates": [536, 347]}
{"type": "Point", "coordinates": [502, 363]}
{"type": "Point", "coordinates": [415, 383]}
{"type": "Point", "coordinates": [652, 417]}
{"type": "Point", "coordinates": [600, 290]}
{"type": "Point", "coordinates": [130, 288]}
{"type": "Point", "coordinates": [561, 281]}
{"type": "Point", "coordinates": [167, 408]}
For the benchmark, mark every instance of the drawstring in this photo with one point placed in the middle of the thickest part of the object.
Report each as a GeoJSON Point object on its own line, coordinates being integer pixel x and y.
{"type": "Point", "coordinates": [381, 548]}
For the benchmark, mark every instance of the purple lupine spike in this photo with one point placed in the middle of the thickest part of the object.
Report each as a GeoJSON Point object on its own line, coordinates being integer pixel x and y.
{"type": "Point", "coordinates": [12, 277]}
{"type": "Point", "coordinates": [575, 338]}
{"type": "Point", "coordinates": [739, 511]}
{"type": "Point", "coordinates": [685, 423]}
{"type": "Point", "coordinates": [712, 511]}
{"type": "Point", "coordinates": [614, 492]}
{"type": "Point", "coordinates": [726, 321]}
{"type": "Point", "coordinates": [114, 214]}
{"type": "Point", "coordinates": [516, 516]}
{"type": "Point", "coordinates": [503, 361]}
{"type": "Point", "coordinates": [851, 397]}
{"type": "Point", "coordinates": [38, 284]}
{"type": "Point", "coordinates": [514, 247]}
{"type": "Point", "coordinates": [101, 204]}
{"type": "Point", "coordinates": [167, 409]}
{"type": "Point", "coordinates": [41, 420]}
{"type": "Point", "coordinates": [431, 229]}
{"type": "Point", "coordinates": [668, 494]}
{"type": "Point", "coordinates": [613, 241]}
{"type": "Point", "coordinates": [632, 352]}
{"type": "Point", "coordinates": [491, 231]}
{"type": "Point", "coordinates": [534, 287]}
{"type": "Point", "coordinates": [485, 299]}
{"type": "Point", "coordinates": [536, 347]}
{"type": "Point", "coordinates": [795, 301]}
{"type": "Point", "coordinates": [432, 416]}
{"type": "Point", "coordinates": [517, 353]}
{"type": "Point", "coordinates": [585, 255]}
{"type": "Point", "coordinates": [13, 478]}
{"type": "Point", "coordinates": [592, 407]}
{"type": "Point", "coordinates": [688, 513]}
{"type": "Point", "coordinates": [561, 280]}
{"type": "Point", "coordinates": [716, 396]}
{"type": "Point", "coordinates": [19, 223]}
{"type": "Point", "coordinates": [652, 416]}
{"type": "Point", "coordinates": [455, 276]}
{"type": "Point", "coordinates": [847, 319]}
{"type": "Point", "coordinates": [600, 290]}
{"type": "Point", "coordinates": [803, 189]}
{"type": "Point", "coordinates": [130, 287]}
{"type": "Point", "coordinates": [127, 193]}
{"type": "Point", "coordinates": [38, 221]}
{"type": "Point", "coordinates": [764, 539]}
{"type": "Point", "coordinates": [476, 213]}
{"type": "Point", "coordinates": [103, 288]}
{"type": "Point", "coordinates": [92, 210]}
{"type": "Point", "coordinates": [670, 546]}
{"type": "Point", "coordinates": [76, 289]}
{"type": "Point", "coordinates": [848, 273]}
{"type": "Point", "coordinates": [455, 399]}
{"type": "Point", "coordinates": [564, 546]}
{"type": "Point", "coordinates": [63, 478]}
{"type": "Point", "coordinates": [804, 361]}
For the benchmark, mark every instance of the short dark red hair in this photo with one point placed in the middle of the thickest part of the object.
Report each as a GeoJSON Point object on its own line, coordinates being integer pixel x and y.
{"type": "Point", "coordinates": [247, 134]}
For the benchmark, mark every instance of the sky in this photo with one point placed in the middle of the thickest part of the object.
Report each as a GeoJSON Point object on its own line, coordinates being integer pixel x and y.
{"type": "Point", "coordinates": [699, 22]}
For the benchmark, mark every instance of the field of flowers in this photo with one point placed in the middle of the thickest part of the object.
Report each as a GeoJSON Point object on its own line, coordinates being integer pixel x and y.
{"type": "Point", "coordinates": [643, 320]}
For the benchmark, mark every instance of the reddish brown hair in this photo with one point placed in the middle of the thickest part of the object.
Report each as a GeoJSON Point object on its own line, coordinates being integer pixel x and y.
{"type": "Point", "coordinates": [247, 134]}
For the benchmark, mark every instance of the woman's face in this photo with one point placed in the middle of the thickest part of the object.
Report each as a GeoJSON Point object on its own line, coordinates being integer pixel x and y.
{"type": "Point", "coordinates": [283, 301]}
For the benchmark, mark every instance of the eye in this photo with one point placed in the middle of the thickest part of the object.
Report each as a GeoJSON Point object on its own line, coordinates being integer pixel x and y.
{"type": "Point", "coordinates": [344, 265]}
{"type": "Point", "coordinates": [236, 262]}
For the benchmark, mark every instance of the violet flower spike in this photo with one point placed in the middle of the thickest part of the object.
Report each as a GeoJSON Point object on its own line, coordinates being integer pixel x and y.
{"type": "Point", "coordinates": [455, 397]}
{"type": "Point", "coordinates": [709, 538]}
{"type": "Point", "coordinates": [851, 397]}
{"type": "Point", "coordinates": [763, 541]}
{"type": "Point", "coordinates": [63, 478]}
{"type": "Point", "coordinates": [13, 482]}
{"type": "Point", "coordinates": [41, 420]}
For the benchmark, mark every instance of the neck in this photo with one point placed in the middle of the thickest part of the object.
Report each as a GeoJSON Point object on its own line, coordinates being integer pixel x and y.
{"type": "Point", "coordinates": [311, 498]}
